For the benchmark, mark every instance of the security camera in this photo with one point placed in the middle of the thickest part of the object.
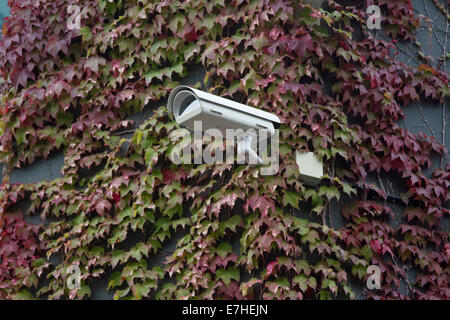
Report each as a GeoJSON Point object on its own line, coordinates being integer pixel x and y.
{"type": "Point", "coordinates": [189, 105]}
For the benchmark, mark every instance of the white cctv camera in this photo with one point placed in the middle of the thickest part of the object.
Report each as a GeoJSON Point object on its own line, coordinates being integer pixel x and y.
{"type": "Point", "coordinates": [189, 105]}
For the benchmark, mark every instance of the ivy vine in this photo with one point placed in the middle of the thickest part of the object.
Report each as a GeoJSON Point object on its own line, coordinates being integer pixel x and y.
{"type": "Point", "coordinates": [73, 90]}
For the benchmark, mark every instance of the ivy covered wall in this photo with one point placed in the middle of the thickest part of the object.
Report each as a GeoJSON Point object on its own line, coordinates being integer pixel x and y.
{"type": "Point", "coordinates": [107, 198]}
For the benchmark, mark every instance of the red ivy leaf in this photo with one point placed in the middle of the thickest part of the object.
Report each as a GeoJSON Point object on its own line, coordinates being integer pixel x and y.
{"type": "Point", "coordinates": [191, 34]}
{"type": "Point", "coordinates": [270, 269]}
{"type": "Point", "coordinates": [116, 197]}
{"type": "Point", "coordinates": [376, 246]}
{"type": "Point", "coordinates": [304, 43]}
{"type": "Point", "coordinates": [261, 203]}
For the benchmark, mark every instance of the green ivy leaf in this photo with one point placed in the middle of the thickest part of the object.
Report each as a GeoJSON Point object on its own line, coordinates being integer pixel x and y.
{"type": "Point", "coordinates": [228, 274]}
{"type": "Point", "coordinates": [291, 198]}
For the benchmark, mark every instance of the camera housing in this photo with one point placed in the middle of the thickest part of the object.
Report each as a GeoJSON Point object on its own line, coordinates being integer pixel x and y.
{"type": "Point", "coordinates": [189, 105]}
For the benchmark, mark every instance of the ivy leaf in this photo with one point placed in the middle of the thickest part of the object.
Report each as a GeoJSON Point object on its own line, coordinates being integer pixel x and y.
{"type": "Point", "coordinates": [20, 135]}
{"type": "Point", "coordinates": [159, 74]}
{"type": "Point", "coordinates": [223, 250]}
{"type": "Point", "coordinates": [115, 280]}
{"type": "Point", "coordinates": [23, 294]}
{"type": "Point", "coordinates": [291, 198]}
{"type": "Point", "coordinates": [375, 244]}
{"type": "Point", "coordinates": [324, 295]}
{"type": "Point", "coordinates": [84, 291]}
{"type": "Point", "coordinates": [101, 206]}
{"type": "Point", "coordinates": [262, 203]}
{"type": "Point", "coordinates": [117, 257]}
{"type": "Point", "coordinates": [228, 199]}
{"type": "Point", "coordinates": [327, 283]}
{"type": "Point", "coordinates": [359, 270]}
{"type": "Point", "coordinates": [280, 282]}
{"type": "Point", "coordinates": [348, 189]}
{"type": "Point", "coordinates": [305, 282]}
{"type": "Point", "coordinates": [151, 156]}
{"type": "Point", "coordinates": [232, 223]}
{"type": "Point", "coordinates": [93, 63]}
{"type": "Point", "coordinates": [303, 44]}
{"type": "Point", "coordinates": [228, 274]}
{"type": "Point", "coordinates": [303, 265]}
{"type": "Point", "coordinates": [86, 34]}
{"type": "Point", "coordinates": [330, 192]}
{"type": "Point", "coordinates": [270, 268]}
{"type": "Point", "coordinates": [366, 252]}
